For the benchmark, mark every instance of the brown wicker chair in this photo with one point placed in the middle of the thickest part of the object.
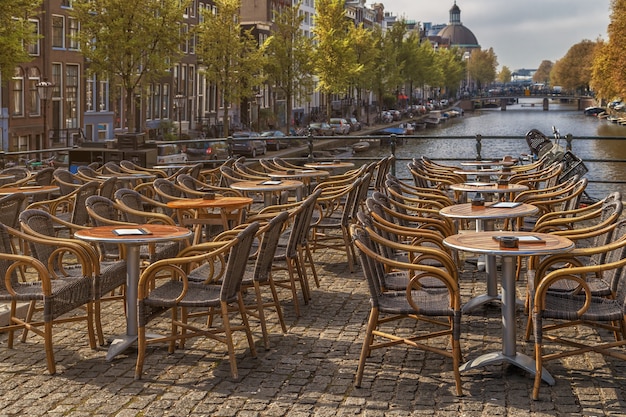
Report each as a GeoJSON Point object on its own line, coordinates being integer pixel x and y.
{"type": "Point", "coordinates": [555, 311]}
{"type": "Point", "coordinates": [58, 296]}
{"type": "Point", "coordinates": [108, 275]}
{"type": "Point", "coordinates": [180, 293]}
{"type": "Point", "coordinates": [440, 308]}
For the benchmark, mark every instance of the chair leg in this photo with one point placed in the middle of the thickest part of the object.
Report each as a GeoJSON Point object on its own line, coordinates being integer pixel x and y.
{"type": "Point", "coordinates": [279, 310]}
{"type": "Point", "coordinates": [48, 347]}
{"type": "Point", "coordinates": [228, 336]}
{"type": "Point", "coordinates": [261, 313]}
{"type": "Point", "coordinates": [246, 324]}
{"type": "Point", "coordinates": [141, 351]}
{"type": "Point", "coordinates": [367, 343]}
{"type": "Point", "coordinates": [97, 318]}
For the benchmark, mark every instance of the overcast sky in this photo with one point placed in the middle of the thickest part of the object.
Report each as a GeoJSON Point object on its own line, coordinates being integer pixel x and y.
{"type": "Point", "coordinates": [522, 33]}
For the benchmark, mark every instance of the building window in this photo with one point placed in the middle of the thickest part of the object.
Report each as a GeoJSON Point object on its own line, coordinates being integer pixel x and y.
{"type": "Point", "coordinates": [103, 96]}
{"type": "Point", "coordinates": [103, 129]}
{"type": "Point", "coordinates": [184, 45]}
{"type": "Point", "coordinates": [33, 48]}
{"type": "Point", "coordinates": [18, 92]}
{"type": "Point", "coordinates": [71, 96]}
{"type": "Point", "coordinates": [57, 80]}
{"type": "Point", "coordinates": [165, 101]}
{"type": "Point", "coordinates": [66, 3]}
{"type": "Point", "coordinates": [58, 31]}
{"type": "Point", "coordinates": [74, 27]}
{"type": "Point", "coordinates": [34, 105]}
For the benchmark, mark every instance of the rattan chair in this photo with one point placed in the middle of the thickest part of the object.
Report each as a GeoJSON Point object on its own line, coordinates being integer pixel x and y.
{"type": "Point", "coordinates": [59, 297]}
{"type": "Point", "coordinates": [179, 293]}
{"type": "Point", "coordinates": [440, 309]}
{"type": "Point", "coordinates": [108, 275]}
{"type": "Point", "coordinates": [556, 311]}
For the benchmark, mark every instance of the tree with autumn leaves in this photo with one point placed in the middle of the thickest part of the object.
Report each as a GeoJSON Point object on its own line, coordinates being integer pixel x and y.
{"type": "Point", "coordinates": [608, 69]}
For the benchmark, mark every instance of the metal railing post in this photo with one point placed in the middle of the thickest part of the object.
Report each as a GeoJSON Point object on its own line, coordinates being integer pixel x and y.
{"type": "Point", "coordinates": [479, 147]}
{"type": "Point", "coordinates": [310, 143]}
{"type": "Point", "coordinates": [393, 152]}
{"type": "Point", "coordinates": [568, 140]}
{"type": "Point", "coordinates": [229, 141]}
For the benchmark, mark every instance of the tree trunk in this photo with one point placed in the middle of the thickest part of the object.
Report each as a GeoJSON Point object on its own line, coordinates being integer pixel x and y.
{"type": "Point", "coordinates": [129, 114]}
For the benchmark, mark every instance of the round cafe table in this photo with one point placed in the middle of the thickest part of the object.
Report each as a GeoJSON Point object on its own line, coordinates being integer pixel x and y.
{"type": "Point", "coordinates": [269, 187]}
{"type": "Point", "coordinates": [484, 242]}
{"type": "Point", "coordinates": [488, 212]}
{"type": "Point", "coordinates": [332, 166]}
{"type": "Point", "coordinates": [304, 175]}
{"type": "Point", "coordinates": [201, 206]}
{"type": "Point", "coordinates": [132, 237]}
{"type": "Point", "coordinates": [29, 190]}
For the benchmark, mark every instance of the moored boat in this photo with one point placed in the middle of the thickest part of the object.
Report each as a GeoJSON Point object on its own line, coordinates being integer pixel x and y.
{"type": "Point", "coordinates": [361, 146]}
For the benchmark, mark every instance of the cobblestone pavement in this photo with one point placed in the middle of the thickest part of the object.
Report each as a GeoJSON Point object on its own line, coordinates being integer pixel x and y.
{"type": "Point", "coordinates": [308, 371]}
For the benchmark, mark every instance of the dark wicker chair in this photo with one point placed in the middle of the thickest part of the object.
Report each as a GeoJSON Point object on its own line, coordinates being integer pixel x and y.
{"type": "Point", "coordinates": [440, 308]}
{"type": "Point", "coordinates": [57, 296]}
{"type": "Point", "coordinates": [156, 295]}
{"type": "Point", "coordinates": [108, 275]}
{"type": "Point", "coordinates": [258, 271]}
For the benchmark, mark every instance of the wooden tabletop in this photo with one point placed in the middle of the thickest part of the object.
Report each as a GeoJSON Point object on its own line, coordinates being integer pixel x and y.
{"type": "Point", "coordinates": [217, 202]}
{"type": "Point", "coordinates": [485, 172]}
{"type": "Point", "coordinates": [467, 211]}
{"type": "Point", "coordinates": [156, 233]}
{"type": "Point", "coordinates": [329, 164]}
{"type": "Point", "coordinates": [266, 185]}
{"type": "Point", "coordinates": [298, 173]}
{"type": "Point", "coordinates": [483, 242]}
{"type": "Point", "coordinates": [29, 189]}
{"type": "Point", "coordinates": [488, 187]}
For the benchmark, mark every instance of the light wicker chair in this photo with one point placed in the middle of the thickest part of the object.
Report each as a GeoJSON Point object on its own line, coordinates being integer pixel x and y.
{"type": "Point", "coordinates": [180, 293]}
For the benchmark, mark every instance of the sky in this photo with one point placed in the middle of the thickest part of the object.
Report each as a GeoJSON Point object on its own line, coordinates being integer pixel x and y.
{"type": "Point", "coordinates": [522, 33]}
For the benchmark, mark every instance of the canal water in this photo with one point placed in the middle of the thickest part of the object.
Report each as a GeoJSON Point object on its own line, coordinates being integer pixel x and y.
{"type": "Point", "coordinates": [517, 120]}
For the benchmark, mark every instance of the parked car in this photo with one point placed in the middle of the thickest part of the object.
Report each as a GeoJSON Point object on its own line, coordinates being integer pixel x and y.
{"type": "Point", "coordinates": [244, 145]}
{"type": "Point", "coordinates": [355, 125]}
{"type": "Point", "coordinates": [321, 129]}
{"type": "Point", "coordinates": [273, 140]}
{"type": "Point", "coordinates": [170, 154]}
{"type": "Point", "coordinates": [341, 126]}
{"type": "Point", "coordinates": [195, 151]}
{"type": "Point", "coordinates": [217, 150]}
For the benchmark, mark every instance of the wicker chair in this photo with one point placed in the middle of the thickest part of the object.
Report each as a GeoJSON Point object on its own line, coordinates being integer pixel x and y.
{"type": "Point", "coordinates": [108, 275]}
{"type": "Point", "coordinates": [440, 308]}
{"type": "Point", "coordinates": [258, 271]}
{"type": "Point", "coordinates": [66, 181]}
{"type": "Point", "coordinates": [58, 296]}
{"type": "Point", "coordinates": [555, 311]}
{"type": "Point", "coordinates": [70, 207]}
{"type": "Point", "coordinates": [179, 293]}
{"type": "Point", "coordinates": [333, 228]}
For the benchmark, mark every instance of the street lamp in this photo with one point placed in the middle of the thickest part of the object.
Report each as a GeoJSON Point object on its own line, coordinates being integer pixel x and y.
{"type": "Point", "coordinates": [179, 100]}
{"type": "Point", "coordinates": [43, 90]}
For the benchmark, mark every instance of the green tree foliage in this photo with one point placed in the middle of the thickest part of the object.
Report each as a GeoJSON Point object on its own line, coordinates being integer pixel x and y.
{"type": "Point", "coordinates": [288, 52]}
{"type": "Point", "coordinates": [16, 32]}
{"type": "Point", "coordinates": [542, 75]}
{"type": "Point", "coordinates": [573, 71]}
{"type": "Point", "coordinates": [450, 62]}
{"type": "Point", "coordinates": [367, 55]}
{"type": "Point", "coordinates": [131, 43]}
{"type": "Point", "coordinates": [231, 56]}
{"type": "Point", "coordinates": [504, 76]}
{"type": "Point", "coordinates": [482, 66]}
{"type": "Point", "coordinates": [334, 59]}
